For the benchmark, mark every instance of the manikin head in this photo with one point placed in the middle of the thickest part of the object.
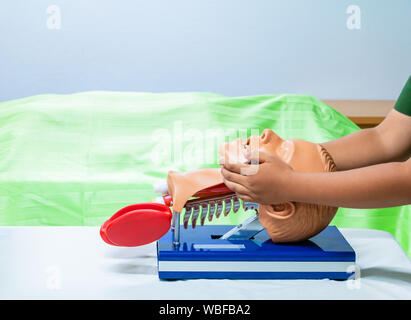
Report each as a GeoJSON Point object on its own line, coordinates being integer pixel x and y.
{"type": "Point", "coordinates": [289, 221]}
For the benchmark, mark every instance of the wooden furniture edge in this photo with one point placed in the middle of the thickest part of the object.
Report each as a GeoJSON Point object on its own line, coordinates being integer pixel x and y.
{"type": "Point", "coordinates": [364, 113]}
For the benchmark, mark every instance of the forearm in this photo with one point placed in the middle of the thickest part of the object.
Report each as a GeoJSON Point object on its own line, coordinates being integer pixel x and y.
{"type": "Point", "coordinates": [378, 186]}
{"type": "Point", "coordinates": [359, 149]}
{"type": "Point", "coordinates": [387, 142]}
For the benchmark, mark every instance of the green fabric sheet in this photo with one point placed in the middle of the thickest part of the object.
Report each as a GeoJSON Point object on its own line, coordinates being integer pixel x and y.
{"type": "Point", "coordinates": [76, 159]}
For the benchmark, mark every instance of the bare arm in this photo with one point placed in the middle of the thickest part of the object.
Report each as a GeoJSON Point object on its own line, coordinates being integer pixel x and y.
{"type": "Point", "coordinates": [370, 177]}
{"type": "Point", "coordinates": [365, 180]}
{"type": "Point", "coordinates": [389, 141]}
{"type": "Point", "coordinates": [377, 186]}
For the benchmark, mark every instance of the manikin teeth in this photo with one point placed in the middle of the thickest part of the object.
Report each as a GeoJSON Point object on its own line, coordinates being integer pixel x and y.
{"type": "Point", "coordinates": [213, 208]}
{"type": "Point", "coordinates": [228, 204]}
{"type": "Point", "coordinates": [220, 207]}
{"type": "Point", "coordinates": [194, 217]}
{"type": "Point", "coordinates": [204, 211]}
{"type": "Point", "coordinates": [237, 204]}
{"type": "Point", "coordinates": [187, 216]}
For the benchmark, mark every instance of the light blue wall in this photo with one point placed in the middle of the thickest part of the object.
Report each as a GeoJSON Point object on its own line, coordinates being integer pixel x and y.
{"type": "Point", "coordinates": [232, 47]}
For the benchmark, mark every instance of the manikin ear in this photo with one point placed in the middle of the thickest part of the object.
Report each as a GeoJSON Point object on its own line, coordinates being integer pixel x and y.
{"type": "Point", "coordinates": [282, 211]}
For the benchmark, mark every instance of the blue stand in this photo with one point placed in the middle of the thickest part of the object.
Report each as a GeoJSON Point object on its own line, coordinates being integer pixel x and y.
{"type": "Point", "coordinates": [202, 254]}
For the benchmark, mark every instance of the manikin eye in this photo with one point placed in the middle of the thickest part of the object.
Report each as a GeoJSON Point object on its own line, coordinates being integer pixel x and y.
{"type": "Point", "coordinates": [245, 143]}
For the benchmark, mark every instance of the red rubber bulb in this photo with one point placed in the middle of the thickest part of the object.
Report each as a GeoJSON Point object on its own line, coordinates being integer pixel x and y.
{"type": "Point", "coordinates": [137, 225]}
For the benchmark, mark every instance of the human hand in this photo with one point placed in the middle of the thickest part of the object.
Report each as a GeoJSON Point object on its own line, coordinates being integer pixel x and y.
{"type": "Point", "coordinates": [267, 182]}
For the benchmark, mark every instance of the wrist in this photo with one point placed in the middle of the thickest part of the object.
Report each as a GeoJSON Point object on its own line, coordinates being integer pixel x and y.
{"type": "Point", "coordinates": [291, 185]}
{"type": "Point", "coordinates": [308, 187]}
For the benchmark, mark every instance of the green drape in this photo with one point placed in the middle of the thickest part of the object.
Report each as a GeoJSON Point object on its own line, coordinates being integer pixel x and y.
{"type": "Point", "coordinates": [76, 159]}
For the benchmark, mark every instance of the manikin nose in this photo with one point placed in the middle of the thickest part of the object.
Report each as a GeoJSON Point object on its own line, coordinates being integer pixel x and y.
{"type": "Point", "coordinates": [267, 135]}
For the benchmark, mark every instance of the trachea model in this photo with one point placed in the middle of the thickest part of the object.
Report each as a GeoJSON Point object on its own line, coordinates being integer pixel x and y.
{"type": "Point", "coordinates": [200, 195]}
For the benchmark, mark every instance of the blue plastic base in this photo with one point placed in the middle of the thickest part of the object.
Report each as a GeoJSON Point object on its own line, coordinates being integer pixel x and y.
{"type": "Point", "coordinates": [202, 254]}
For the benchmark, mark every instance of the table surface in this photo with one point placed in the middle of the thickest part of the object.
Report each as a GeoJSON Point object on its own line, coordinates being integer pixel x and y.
{"type": "Point", "coordinates": [362, 108]}
{"type": "Point", "coordinates": [74, 263]}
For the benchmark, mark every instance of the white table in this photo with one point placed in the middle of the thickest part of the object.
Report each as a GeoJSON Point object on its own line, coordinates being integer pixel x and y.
{"type": "Point", "coordinates": [74, 263]}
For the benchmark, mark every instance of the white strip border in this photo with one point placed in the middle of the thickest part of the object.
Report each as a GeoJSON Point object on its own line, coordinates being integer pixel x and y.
{"type": "Point", "coordinates": [218, 246]}
{"type": "Point", "coordinates": [254, 266]}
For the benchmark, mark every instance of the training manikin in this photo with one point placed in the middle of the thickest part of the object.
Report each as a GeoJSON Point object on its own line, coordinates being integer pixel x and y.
{"type": "Point", "coordinates": [284, 222]}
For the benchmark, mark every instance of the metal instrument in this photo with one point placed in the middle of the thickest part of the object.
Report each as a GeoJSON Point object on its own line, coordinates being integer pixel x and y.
{"type": "Point", "coordinates": [206, 209]}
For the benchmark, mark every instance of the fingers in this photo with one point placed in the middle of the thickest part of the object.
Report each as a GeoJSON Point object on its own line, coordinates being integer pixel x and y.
{"type": "Point", "coordinates": [245, 197]}
{"type": "Point", "coordinates": [233, 177]}
{"type": "Point", "coordinates": [240, 190]}
{"type": "Point", "coordinates": [256, 157]}
{"type": "Point", "coordinates": [242, 169]}
{"type": "Point", "coordinates": [233, 167]}
{"type": "Point", "coordinates": [235, 187]}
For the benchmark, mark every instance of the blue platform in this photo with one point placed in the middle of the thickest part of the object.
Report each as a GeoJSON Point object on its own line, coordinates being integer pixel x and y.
{"type": "Point", "coordinates": [202, 254]}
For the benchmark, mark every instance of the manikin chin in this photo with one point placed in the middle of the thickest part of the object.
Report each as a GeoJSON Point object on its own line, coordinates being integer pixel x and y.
{"type": "Point", "coordinates": [284, 222]}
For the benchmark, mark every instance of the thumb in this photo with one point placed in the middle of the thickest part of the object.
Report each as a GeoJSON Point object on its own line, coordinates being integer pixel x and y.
{"type": "Point", "coordinates": [256, 156]}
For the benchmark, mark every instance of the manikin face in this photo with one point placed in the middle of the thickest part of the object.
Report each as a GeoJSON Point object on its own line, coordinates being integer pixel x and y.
{"type": "Point", "coordinates": [290, 221]}
{"type": "Point", "coordinates": [301, 155]}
